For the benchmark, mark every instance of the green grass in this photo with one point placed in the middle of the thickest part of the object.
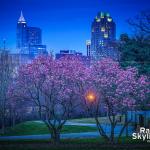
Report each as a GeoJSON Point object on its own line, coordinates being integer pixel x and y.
{"type": "Point", "coordinates": [34, 128]}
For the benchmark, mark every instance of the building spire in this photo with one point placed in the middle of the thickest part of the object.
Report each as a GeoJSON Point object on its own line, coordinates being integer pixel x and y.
{"type": "Point", "coordinates": [21, 19]}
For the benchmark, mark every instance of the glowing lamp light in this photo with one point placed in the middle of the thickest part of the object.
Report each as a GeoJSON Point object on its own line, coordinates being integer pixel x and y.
{"type": "Point", "coordinates": [91, 97]}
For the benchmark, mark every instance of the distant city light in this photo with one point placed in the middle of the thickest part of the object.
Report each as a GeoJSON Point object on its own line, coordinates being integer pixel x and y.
{"type": "Point", "coordinates": [109, 19]}
{"type": "Point", "coordinates": [103, 29]}
{"type": "Point", "coordinates": [105, 35]}
{"type": "Point", "coordinates": [98, 20]}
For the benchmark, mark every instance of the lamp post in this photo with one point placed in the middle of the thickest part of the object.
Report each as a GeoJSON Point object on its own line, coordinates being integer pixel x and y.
{"type": "Point", "coordinates": [90, 96]}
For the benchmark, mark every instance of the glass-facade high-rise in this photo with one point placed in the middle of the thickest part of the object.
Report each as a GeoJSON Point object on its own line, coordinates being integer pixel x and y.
{"type": "Point", "coordinates": [29, 39]}
{"type": "Point", "coordinates": [21, 34]}
{"type": "Point", "coordinates": [102, 35]}
{"type": "Point", "coordinates": [34, 36]}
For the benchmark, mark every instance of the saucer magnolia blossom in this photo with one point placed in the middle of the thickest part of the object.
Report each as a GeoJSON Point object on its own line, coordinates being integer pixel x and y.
{"type": "Point", "coordinates": [119, 90]}
{"type": "Point", "coordinates": [59, 87]}
{"type": "Point", "coordinates": [52, 85]}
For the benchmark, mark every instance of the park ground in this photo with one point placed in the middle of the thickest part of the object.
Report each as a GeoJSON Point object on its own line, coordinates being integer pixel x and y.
{"type": "Point", "coordinates": [38, 127]}
{"type": "Point", "coordinates": [35, 128]}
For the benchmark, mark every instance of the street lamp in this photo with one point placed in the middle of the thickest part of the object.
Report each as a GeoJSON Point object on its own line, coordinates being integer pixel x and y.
{"type": "Point", "coordinates": [90, 96]}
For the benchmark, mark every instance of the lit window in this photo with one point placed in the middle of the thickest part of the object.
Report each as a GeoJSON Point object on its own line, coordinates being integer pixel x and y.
{"type": "Point", "coordinates": [103, 29]}
{"type": "Point", "coordinates": [105, 35]}
{"type": "Point", "coordinates": [98, 20]}
{"type": "Point", "coordinates": [109, 19]}
{"type": "Point", "coordinates": [101, 42]}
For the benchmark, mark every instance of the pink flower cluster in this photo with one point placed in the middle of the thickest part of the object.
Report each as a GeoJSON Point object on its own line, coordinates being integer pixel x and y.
{"type": "Point", "coordinates": [66, 78]}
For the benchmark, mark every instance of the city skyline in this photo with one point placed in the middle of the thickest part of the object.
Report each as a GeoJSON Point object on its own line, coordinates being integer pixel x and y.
{"type": "Point", "coordinates": [65, 24]}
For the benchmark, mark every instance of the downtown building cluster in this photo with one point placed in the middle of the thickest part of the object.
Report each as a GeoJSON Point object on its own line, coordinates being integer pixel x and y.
{"type": "Point", "coordinates": [102, 44]}
{"type": "Point", "coordinates": [29, 44]}
{"type": "Point", "coordinates": [103, 41]}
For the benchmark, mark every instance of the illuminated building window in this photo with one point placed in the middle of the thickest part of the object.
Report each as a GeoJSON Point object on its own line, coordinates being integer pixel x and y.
{"type": "Point", "coordinates": [105, 35]}
{"type": "Point", "coordinates": [101, 43]}
{"type": "Point", "coordinates": [103, 29]}
{"type": "Point", "coordinates": [98, 20]}
{"type": "Point", "coordinates": [109, 19]}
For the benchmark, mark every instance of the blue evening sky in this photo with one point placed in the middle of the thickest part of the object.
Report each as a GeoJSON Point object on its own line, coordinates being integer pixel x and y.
{"type": "Point", "coordinates": [66, 24]}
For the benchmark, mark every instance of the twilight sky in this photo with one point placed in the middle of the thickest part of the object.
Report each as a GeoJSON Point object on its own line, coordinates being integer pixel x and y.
{"type": "Point", "coordinates": [66, 24]}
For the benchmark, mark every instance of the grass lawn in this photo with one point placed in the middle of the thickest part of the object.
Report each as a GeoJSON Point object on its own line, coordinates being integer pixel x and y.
{"type": "Point", "coordinates": [34, 128]}
{"type": "Point", "coordinates": [73, 144]}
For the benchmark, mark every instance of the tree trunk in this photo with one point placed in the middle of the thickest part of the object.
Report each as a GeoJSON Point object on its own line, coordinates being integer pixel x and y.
{"type": "Point", "coordinates": [55, 136]}
{"type": "Point", "coordinates": [112, 134]}
{"type": "Point", "coordinates": [123, 128]}
{"type": "Point", "coordinates": [101, 131]}
{"type": "Point", "coordinates": [13, 118]}
{"type": "Point", "coordinates": [3, 124]}
{"type": "Point", "coordinates": [126, 120]}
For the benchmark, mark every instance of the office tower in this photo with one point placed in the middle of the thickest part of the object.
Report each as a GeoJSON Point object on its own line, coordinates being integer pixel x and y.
{"type": "Point", "coordinates": [88, 47]}
{"type": "Point", "coordinates": [21, 34]}
{"type": "Point", "coordinates": [29, 39]}
{"type": "Point", "coordinates": [102, 36]}
{"type": "Point", "coordinates": [34, 36]}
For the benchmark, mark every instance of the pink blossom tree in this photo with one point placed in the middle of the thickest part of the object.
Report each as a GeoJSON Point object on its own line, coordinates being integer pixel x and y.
{"type": "Point", "coordinates": [57, 87]}
{"type": "Point", "coordinates": [52, 85]}
{"type": "Point", "coordinates": [116, 90]}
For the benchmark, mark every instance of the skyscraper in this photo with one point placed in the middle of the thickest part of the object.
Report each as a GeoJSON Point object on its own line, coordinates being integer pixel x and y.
{"type": "Point", "coordinates": [29, 39]}
{"type": "Point", "coordinates": [88, 47]}
{"type": "Point", "coordinates": [21, 34]}
{"type": "Point", "coordinates": [102, 35]}
{"type": "Point", "coordinates": [34, 36]}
